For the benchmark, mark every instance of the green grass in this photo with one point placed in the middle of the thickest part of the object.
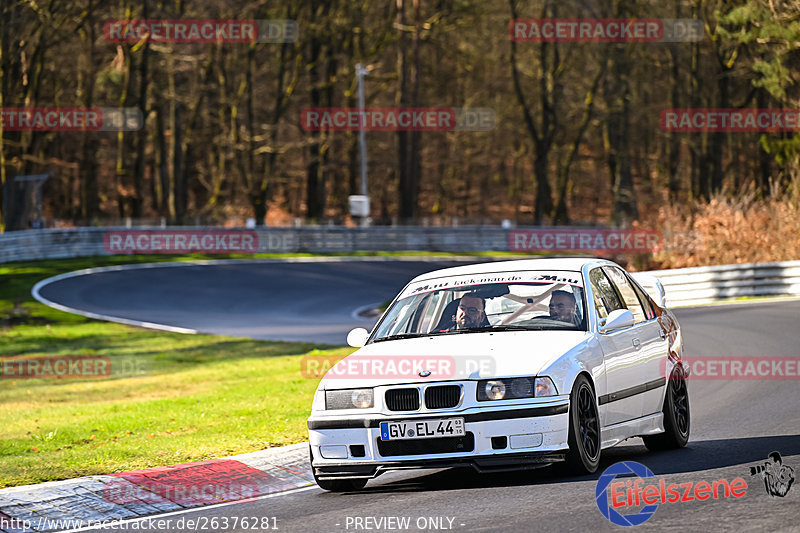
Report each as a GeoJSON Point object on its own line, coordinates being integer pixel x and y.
{"type": "Point", "coordinates": [171, 398]}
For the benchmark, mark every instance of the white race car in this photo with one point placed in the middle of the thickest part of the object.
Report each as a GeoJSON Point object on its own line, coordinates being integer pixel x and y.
{"type": "Point", "coordinates": [505, 364]}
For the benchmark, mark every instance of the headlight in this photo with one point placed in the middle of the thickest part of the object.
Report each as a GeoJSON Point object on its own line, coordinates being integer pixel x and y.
{"type": "Point", "coordinates": [494, 390]}
{"type": "Point", "coordinates": [514, 388]}
{"type": "Point", "coordinates": [349, 399]}
{"type": "Point", "coordinates": [505, 389]}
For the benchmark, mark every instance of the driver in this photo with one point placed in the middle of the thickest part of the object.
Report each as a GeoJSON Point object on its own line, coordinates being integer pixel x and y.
{"type": "Point", "coordinates": [563, 307]}
{"type": "Point", "coordinates": [470, 312]}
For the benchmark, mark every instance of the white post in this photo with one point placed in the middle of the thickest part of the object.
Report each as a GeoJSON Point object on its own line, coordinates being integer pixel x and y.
{"type": "Point", "coordinates": [362, 137]}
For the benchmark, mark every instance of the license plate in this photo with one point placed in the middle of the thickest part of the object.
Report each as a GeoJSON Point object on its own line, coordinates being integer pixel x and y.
{"type": "Point", "coordinates": [423, 429]}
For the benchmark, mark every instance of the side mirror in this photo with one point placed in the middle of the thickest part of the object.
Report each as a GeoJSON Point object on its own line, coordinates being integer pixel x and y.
{"type": "Point", "coordinates": [618, 319]}
{"type": "Point", "coordinates": [357, 337]}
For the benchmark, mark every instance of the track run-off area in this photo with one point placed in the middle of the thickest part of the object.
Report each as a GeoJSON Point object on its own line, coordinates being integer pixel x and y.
{"type": "Point", "coordinates": [736, 423]}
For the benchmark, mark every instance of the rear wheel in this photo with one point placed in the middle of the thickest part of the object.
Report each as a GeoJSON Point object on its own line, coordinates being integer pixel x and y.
{"type": "Point", "coordinates": [583, 456]}
{"type": "Point", "coordinates": [335, 485]}
{"type": "Point", "coordinates": [677, 421]}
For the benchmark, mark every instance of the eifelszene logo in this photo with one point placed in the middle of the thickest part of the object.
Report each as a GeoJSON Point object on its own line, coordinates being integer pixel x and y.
{"type": "Point", "coordinates": [608, 508]}
{"type": "Point", "coordinates": [631, 491]}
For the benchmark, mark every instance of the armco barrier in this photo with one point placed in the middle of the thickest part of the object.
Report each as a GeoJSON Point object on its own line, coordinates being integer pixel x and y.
{"type": "Point", "coordinates": [89, 241]}
{"type": "Point", "coordinates": [697, 285]}
{"type": "Point", "coordinates": [685, 286]}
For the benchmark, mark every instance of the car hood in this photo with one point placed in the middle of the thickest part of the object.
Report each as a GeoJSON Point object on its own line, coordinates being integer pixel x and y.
{"type": "Point", "coordinates": [452, 357]}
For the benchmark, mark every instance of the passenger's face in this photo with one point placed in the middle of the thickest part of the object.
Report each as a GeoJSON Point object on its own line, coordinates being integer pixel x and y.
{"type": "Point", "coordinates": [562, 307]}
{"type": "Point", "coordinates": [470, 312]}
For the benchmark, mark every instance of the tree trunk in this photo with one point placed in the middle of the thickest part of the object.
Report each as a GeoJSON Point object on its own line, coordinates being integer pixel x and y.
{"type": "Point", "coordinates": [90, 198]}
{"type": "Point", "coordinates": [560, 216]}
{"type": "Point", "coordinates": [141, 136]}
{"type": "Point", "coordinates": [542, 136]}
{"type": "Point", "coordinates": [617, 96]}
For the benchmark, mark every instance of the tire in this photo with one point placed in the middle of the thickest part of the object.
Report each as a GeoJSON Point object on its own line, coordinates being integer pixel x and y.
{"type": "Point", "coordinates": [677, 419]}
{"type": "Point", "coordinates": [583, 456]}
{"type": "Point", "coordinates": [335, 485]}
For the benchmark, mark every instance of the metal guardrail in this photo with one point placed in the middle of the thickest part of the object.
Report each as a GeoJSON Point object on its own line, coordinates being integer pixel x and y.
{"type": "Point", "coordinates": [89, 241]}
{"type": "Point", "coordinates": [698, 285]}
{"type": "Point", "coordinates": [684, 286]}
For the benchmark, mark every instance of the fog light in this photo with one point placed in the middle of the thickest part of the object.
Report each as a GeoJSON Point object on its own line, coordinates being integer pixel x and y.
{"type": "Point", "coordinates": [333, 452]}
{"type": "Point", "coordinates": [529, 440]}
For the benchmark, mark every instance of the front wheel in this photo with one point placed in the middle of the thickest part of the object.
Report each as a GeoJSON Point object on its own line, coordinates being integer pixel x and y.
{"type": "Point", "coordinates": [583, 456]}
{"type": "Point", "coordinates": [677, 421]}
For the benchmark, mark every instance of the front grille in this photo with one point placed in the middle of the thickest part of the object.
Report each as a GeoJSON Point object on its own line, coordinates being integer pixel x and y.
{"type": "Point", "coordinates": [402, 399]}
{"type": "Point", "coordinates": [442, 397]}
{"type": "Point", "coordinates": [390, 448]}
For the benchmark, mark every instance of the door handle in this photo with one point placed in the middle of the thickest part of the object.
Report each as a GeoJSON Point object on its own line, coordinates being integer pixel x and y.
{"type": "Point", "coordinates": [636, 343]}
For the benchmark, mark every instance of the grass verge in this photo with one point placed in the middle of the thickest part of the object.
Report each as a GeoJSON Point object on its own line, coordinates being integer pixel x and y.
{"type": "Point", "coordinates": [170, 398]}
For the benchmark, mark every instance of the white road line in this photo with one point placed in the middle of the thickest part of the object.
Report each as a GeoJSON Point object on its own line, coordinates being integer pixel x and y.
{"type": "Point", "coordinates": [36, 291]}
{"type": "Point", "coordinates": [128, 322]}
{"type": "Point", "coordinates": [356, 314]}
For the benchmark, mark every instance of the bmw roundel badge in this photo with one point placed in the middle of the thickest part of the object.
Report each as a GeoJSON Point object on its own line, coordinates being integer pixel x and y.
{"type": "Point", "coordinates": [424, 373]}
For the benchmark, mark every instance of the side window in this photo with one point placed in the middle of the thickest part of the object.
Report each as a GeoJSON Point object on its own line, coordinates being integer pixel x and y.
{"type": "Point", "coordinates": [605, 297]}
{"type": "Point", "coordinates": [644, 298]}
{"type": "Point", "coordinates": [628, 293]}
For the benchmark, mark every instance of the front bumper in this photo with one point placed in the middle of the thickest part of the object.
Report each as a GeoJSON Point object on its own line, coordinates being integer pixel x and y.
{"type": "Point", "coordinates": [497, 438]}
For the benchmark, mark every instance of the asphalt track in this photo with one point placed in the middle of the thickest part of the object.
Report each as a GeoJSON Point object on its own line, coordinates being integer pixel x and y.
{"type": "Point", "coordinates": [293, 301]}
{"type": "Point", "coordinates": [735, 423]}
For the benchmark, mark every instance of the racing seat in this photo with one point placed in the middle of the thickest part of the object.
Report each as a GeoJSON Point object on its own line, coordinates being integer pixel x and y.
{"type": "Point", "coordinates": [448, 320]}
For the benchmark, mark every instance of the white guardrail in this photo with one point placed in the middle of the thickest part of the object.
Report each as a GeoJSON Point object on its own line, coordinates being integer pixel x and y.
{"type": "Point", "coordinates": [685, 286]}
{"type": "Point", "coordinates": [697, 285]}
{"type": "Point", "coordinates": [89, 241]}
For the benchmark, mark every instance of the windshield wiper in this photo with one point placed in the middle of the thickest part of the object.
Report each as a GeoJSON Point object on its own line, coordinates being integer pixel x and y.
{"type": "Point", "coordinates": [401, 336]}
{"type": "Point", "coordinates": [507, 327]}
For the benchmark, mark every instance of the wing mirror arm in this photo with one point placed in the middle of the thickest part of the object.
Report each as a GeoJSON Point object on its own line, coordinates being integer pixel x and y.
{"type": "Point", "coordinates": [616, 320]}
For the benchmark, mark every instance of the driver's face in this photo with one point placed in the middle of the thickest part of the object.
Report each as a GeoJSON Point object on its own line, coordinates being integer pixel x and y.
{"type": "Point", "coordinates": [562, 307]}
{"type": "Point", "coordinates": [470, 312]}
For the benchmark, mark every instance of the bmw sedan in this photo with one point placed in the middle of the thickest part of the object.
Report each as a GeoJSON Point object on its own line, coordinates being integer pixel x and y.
{"type": "Point", "coordinates": [512, 364]}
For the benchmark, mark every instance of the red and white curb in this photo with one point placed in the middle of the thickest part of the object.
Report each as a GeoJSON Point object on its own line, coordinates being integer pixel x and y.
{"type": "Point", "coordinates": [59, 505]}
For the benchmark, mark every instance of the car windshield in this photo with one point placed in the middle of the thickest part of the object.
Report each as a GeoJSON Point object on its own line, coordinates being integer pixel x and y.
{"type": "Point", "coordinates": [526, 300]}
